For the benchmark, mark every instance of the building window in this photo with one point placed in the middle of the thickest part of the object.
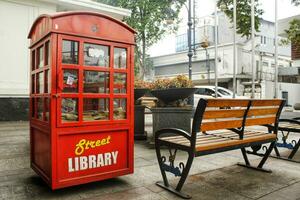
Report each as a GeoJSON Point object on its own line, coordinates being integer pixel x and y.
{"type": "Point", "coordinates": [265, 64]}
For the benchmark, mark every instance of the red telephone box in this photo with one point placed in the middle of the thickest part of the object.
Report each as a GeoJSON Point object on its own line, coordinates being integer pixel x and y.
{"type": "Point", "coordinates": [81, 98]}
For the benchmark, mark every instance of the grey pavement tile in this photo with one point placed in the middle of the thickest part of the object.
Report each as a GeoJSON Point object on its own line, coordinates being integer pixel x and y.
{"type": "Point", "coordinates": [14, 163]}
{"type": "Point", "coordinates": [140, 193]}
{"type": "Point", "coordinates": [11, 140]}
{"type": "Point", "coordinates": [141, 162]}
{"type": "Point", "coordinates": [205, 191]}
{"type": "Point", "coordinates": [247, 182]}
{"type": "Point", "coordinates": [14, 150]}
{"type": "Point", "coordinates": [292, 192]}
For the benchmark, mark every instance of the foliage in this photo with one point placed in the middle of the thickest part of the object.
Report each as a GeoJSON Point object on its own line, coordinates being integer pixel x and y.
{"type": "Point", "coordinates": [293, 33]}
{"type": "Point", "coordinates": [243, 18]}
{"type": "Point", "coordinates": [140, 84]}
{"type": "Point", "coordinates": [180, 81]}
{"type": "Point", "coordinates": [296, 2]}
{"type": "Point", "coordinates": [150, 19]}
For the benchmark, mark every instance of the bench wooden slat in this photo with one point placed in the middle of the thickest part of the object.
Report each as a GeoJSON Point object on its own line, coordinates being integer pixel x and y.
{"type": "Point", "coordinates": [260, 121]}
{"type": "Point", "coordinates": [233, 142]}
{"type": "Point", "coordinates": [266, 102]}
{"type": "Point", "coordinates": [227, 103]}
{"type": "Point", "coordinates": [208, 126]}
{"type": "Point", "coordinates": [262, 111]}
{"type": "Point", "coordinates": [183, 139]}
{"type": "Point", "coordinates": [213, 114]}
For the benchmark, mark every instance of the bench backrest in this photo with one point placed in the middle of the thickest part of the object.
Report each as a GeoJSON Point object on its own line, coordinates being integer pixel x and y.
{"type": "Point", "coordinates": [215, 114]}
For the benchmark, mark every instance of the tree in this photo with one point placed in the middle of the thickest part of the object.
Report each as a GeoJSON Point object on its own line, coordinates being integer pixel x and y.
{"type": "Point", "coordinates": [296, 2]}
{"type": "Point", "coordinates": [293, 32]}
{"type": "Point", "coordinates": [243, 18]}
{"type": "Point", "coordinates": [150, 19]}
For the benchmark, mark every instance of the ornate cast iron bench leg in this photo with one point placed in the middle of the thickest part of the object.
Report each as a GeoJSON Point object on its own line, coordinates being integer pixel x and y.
{"type": "Point", "coordinates": [294, 146]}
{"type": "Point", "coordinates": [182, 171]}
{"type": "Point", "coordinates": [254, 152]}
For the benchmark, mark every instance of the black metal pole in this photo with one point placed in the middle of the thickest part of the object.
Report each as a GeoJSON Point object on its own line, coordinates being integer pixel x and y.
{"type": "Point", "coordinates": [194, 26]}
{"type": "Point", "coordinates": [190, 52]}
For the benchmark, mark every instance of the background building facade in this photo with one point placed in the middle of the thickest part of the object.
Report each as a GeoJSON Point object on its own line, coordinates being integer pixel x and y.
{"type": "Point", "coordinates": [16, 18]}
{"type": "Point", "coordinates": [204, 65]}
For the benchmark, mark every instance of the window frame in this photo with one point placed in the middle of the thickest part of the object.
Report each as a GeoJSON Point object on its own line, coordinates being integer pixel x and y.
{"type": "Point", "coordinates": [81, 67]}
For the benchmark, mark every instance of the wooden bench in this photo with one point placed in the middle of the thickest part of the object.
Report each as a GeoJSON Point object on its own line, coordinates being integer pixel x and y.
{"type": "Point", "coordinates": [218, 126]}
{"type": "Point", "coordinates": [285, 126]}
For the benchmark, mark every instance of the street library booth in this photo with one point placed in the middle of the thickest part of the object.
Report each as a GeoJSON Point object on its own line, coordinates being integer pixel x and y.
{"type": "Point", "coordinates": [81, 98]}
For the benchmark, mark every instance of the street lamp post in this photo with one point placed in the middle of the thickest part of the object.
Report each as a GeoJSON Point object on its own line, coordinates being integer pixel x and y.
{"type": "Point", "coordinates": [234, 49]}
{"type": "Point", "coordinates": [204, 45]}
{"type": "Point", "coordinates": [253, 48]}
{"type": "Point", "coordinates": [190, 52]}
{"type": "Point", "coordinates": [276, 50]}
{"type": "Point", "coordinates": [216, 49]}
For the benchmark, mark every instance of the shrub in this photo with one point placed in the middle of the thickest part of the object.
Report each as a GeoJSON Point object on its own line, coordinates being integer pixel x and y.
{"type": "Point", "coordinates": [179, 81]}
{"type": "Point", "coordinates": [140, 84]}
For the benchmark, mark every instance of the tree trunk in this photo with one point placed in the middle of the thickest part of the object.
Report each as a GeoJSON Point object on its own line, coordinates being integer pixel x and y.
{"type": "Point", "coordinates": [142, 66]}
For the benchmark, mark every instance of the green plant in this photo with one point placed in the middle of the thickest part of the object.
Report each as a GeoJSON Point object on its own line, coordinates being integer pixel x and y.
{"type": "Point", "coordinates": [140, 84]}
{"type": "Point", "coordinates": [243, 12]}
{"type": "Point", "coordinates": [179, 81]}
{"type": "Point", "coordinates": [296, 2]}
{"type": "Point", "coordinates": [293, 33]}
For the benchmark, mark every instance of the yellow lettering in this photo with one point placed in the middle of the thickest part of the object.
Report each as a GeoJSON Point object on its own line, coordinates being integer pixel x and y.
{"type": "Point", "coordinates": [103, 141]}
{"type": "Point", "coordinates": [108, 139]}
{"type": "Point", "coordinates": [98, 143]}
{"type": "Point", "coordinates": [93, 144]}
{"type": "Point", "coordinates": [79, 147]}
{"type": "Point", "coordinates": [86, 144]}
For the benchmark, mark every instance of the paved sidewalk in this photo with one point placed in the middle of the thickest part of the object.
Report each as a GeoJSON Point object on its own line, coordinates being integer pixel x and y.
{"type": "Point", "coordinates": [212, 177]}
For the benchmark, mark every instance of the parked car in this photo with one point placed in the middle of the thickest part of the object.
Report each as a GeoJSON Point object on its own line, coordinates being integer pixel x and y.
{"type": "Point", "coordinates": [207, 91]}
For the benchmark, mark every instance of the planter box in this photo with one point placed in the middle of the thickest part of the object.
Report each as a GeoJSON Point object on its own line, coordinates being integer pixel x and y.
{"type": "Point", "coordinates": [139, 123]}
{"type": "Point", "coordinates": [172, 117]}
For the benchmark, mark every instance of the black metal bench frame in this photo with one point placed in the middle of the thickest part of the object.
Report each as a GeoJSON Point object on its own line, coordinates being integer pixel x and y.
{"type": "Point", "coordinates": [293, 145]}
{"type": "Point", "coordinates": [182, 170]}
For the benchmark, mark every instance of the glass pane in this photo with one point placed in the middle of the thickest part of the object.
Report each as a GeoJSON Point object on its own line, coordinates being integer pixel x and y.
{"type": "Point", "coordinates": [32, 84]}
{"type": "Point", "coordinates": [119, 83]}
{"type": "Point", "coordinates": [69, 109]}
{"type": "Point", "coordinates": [47, 57]}
{"type": "Point", "coordinates": [96, 55]}
{"type": "Point", "coordinates": [120, 57]}
{"type": "Point", "coordinates": [40, 108]}
{"type": "Point", "coordinates": [119, 108]}
{"type": "Point", "coordinates": [69, 52]}
{"type": "Point", "coordinates": [33, 60]}
{"type": "Point", "coordinates": [70, 81]}
{"type": "Point", "coordinates": [40, 83]}
{"type": "Point", "coordinates": [47, 81]}
{"type": "Point", "coordinates": [40, 57]}
{"type": "Point", "coordinates": [47, 105]}
{"type": "Point", "coordinates": [96, 82]}
{"type": "Point", "coordinates": [33, 107]}
{"type": "Point", "coordinates": [95, 109]}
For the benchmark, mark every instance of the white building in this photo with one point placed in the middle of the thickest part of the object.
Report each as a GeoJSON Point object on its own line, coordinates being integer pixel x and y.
{"type": "Point", "coordinates": [289, 78]}
{"type": "Point", "coordinates": [16, 18]}
{"type": "Point", "coordinates": [174, 64]}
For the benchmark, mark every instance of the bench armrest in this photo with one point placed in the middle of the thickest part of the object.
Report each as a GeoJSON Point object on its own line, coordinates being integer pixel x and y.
{"type": "Point", "coordinates": [173, 131]}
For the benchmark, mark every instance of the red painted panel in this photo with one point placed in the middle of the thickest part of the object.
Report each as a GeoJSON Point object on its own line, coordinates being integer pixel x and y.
{"type": "Point", "coordinates": [88, 154]}
{"type": "Point", "coordinates": [41, 150]}
{"type": "Point", "coordinates": [92, 26]}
